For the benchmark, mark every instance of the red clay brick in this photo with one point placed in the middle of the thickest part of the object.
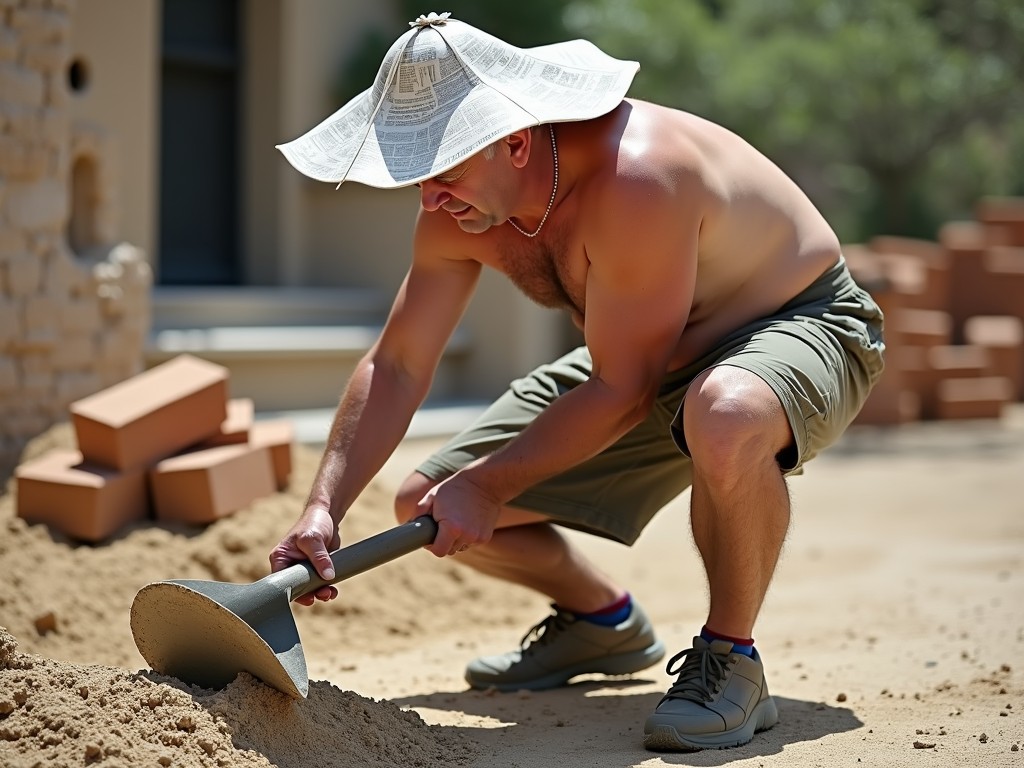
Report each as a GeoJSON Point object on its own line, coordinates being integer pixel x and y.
{"type": "Point", "coordinates": [277, 436]}
{"type": "Point", "coordinates": [967, 243]}
{"type": "Point", "coordinates": [866, 268]}
{"type": "Point", "coordinates": [1004, 215]}
{"type": "Point", "coordinates": [921, 327]}
{"type": "Point", "coordinates": [932, 268]}
{"type": "Point", "coordinates": [1005, 266]}
{"type": "Point", "coordinates": [958, 360]}
{"type": "Point", "coordinates": [908, 277]}
{"type": "Point", "coordinates": [235, 428]}
{"type": "Point", "coordinates": [918, 377]}
{"type": "Point", "coordinates": [890, 408]}
{"type": "Point", "coordinates": [152, 415]}
{"type": "Point", "coordinates": [924, 368]}
{"type": "Point", "coordinates": [202, 486]}
{"type": "Point", "coordinates": [982, 398]}
{"type": "Point", "coordinates": [1003, 337]}
{"type": "Point", "coordinates": [83, 501]}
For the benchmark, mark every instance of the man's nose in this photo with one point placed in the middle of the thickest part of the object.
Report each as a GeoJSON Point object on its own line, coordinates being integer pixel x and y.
{"type": "Point", "coordinates": [433, 195]}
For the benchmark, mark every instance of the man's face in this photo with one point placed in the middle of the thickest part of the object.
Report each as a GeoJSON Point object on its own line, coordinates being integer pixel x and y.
{"type": "Point", "coordinates": [468, 193]}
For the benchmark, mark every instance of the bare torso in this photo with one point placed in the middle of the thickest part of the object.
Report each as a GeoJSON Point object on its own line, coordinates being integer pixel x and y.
{"type": "Point", "coordinates": [761, 240]}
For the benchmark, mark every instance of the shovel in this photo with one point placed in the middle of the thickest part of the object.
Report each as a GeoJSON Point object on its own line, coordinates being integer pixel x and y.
{"type": "Point", "coordinates": [206, 632]}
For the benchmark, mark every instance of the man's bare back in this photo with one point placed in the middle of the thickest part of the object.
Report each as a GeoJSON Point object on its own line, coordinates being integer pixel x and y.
{"type": "Point", "coordinates": [761, 240]}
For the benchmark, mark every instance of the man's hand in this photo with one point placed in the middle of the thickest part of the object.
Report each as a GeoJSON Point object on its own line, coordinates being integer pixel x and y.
{"type": "Point", "coordinates": [312, 538]}
{"type": "Point", "coordinates": [465, 513]}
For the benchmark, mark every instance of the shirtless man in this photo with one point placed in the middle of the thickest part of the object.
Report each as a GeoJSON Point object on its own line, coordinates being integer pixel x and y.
{"type": "Point", "coordinates": [726, 344]}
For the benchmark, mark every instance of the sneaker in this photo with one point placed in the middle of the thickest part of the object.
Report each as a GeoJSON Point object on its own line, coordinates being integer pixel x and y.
{"type": "Point", "coordinates": [720, 699]}
{"type": "Point", "coordinates": [562, 646]}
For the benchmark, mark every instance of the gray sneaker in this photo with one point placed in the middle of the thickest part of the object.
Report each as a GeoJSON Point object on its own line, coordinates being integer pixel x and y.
{"type": "Point", "coordinates": [720, 699]}
{"type": "Point", "coordinates": [562, 646]}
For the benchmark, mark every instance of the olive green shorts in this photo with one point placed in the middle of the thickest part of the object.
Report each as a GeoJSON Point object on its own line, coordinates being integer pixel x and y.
{"type": "Point", "coordinates": [821, 353]}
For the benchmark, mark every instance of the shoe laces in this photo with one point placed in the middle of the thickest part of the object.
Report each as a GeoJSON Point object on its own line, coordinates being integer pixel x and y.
{"type": "Point", "coordinates": [701, 672]}
{"type": "Point", "coordinates": [545, 630]}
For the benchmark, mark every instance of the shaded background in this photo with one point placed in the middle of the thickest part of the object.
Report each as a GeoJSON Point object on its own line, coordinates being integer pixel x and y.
{"type": "Point", "coordinates": [894, 115]}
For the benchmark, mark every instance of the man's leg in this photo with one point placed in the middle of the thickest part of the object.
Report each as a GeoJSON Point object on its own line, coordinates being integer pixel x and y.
{"type": "Point", "coordinates": [527, 550]}
{"type": "Point", "coordinates": [595, 627]}
{"type": "Point", "coordinates": [735, 428]}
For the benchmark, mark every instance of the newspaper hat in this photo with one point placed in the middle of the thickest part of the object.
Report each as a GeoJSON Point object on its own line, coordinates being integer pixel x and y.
{"type": "Point", "coordinates": [445, 91]}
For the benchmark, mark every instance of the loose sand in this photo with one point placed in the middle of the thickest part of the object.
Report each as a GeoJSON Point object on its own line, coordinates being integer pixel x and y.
{"type": "Point", "coordinates": [893, 634]}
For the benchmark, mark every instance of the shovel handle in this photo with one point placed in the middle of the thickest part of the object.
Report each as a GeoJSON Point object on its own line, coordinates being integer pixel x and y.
{"type": "Point", "coordinates": [369, 553]}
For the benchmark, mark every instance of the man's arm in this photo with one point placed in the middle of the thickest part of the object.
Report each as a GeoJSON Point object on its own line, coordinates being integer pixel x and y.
{"type": "Point", "coordinates": [388, 385]}
{"type": "Point", "coordinates": [642, 247]}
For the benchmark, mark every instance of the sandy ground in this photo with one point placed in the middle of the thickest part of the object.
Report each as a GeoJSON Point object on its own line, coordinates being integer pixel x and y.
{"type": "Point", "coordinates": [893, 633]}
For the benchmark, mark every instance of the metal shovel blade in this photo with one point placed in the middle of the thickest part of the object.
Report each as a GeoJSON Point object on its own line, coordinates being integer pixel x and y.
{"type": "Point", "coordinates": [188, 630]}
{"type": "Point", "coordinates": [206, 632]}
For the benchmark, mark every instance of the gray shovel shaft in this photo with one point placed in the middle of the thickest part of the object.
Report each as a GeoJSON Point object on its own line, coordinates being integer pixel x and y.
{"type": "Point", "coordinates": [364, 555]}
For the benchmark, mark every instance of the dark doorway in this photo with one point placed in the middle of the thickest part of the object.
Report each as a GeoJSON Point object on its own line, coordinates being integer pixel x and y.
{"type": "Point", "coordinates": [200, 143]}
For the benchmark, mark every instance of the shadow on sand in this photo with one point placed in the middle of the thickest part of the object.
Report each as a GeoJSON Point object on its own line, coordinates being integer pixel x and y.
{"type": "Point", "coordinates": [605, 718]}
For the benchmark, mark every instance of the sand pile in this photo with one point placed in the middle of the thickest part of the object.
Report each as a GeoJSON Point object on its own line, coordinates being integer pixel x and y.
{"type": "Point", "coordinates": [55, 713]}
{"type": "Point", "coordinates": [72, 695]}
{"type": "Point", "coordinates": [70, 601]}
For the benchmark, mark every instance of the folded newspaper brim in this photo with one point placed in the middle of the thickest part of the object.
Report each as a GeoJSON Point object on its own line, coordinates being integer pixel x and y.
{"type": "Point", "coordinates": [444, 92]}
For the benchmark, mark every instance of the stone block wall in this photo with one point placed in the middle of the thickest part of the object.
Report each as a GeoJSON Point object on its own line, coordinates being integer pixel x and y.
{"type": "Point", "coordinates": [74, 302]}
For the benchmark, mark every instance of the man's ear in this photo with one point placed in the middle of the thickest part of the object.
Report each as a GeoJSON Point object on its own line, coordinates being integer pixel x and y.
{"type": "Point", "coordinates": [519, 145]}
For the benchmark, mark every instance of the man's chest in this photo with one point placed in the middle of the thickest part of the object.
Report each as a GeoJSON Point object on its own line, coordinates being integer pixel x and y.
{"type": "Point", "coordinates": [552, 272]}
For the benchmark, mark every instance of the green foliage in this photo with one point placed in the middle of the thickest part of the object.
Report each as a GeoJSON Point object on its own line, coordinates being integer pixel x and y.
{"type": "Point", "coordinates": [894, 114]}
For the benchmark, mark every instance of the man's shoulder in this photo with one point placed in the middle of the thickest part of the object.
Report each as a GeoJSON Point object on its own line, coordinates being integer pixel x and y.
{"type": "Point", "coordinates": [646, 176]}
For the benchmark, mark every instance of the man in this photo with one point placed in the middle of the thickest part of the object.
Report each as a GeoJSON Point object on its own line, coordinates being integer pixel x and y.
{"type": "Point", "coordinates": [726, 344]}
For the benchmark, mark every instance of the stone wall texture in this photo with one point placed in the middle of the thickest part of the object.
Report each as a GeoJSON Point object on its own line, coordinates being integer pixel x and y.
{"type": "Point", "coordinates": [74, 302]}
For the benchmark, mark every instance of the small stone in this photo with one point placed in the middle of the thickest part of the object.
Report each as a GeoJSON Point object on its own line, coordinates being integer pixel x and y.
{"type": "Point", "coordinates": [841, 697]}
{"type": "Point", "coordinates": [46, 623]}
{"type": "Point", "coordinates": [923, 745]}
{"type": "Point", "coordinates": [983, 738]}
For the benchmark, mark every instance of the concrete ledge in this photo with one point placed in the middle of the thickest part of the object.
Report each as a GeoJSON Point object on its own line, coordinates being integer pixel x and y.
{"type": "Point", "coordinates": [440, 420]}
{"type": "Point", "coordinates": [263, 342]}
{"type": "Point", "coordinates": [189, 307]}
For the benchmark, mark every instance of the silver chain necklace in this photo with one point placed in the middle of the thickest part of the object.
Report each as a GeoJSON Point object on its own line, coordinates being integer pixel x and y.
{"type": "Point", "coordinates": [554, 191]}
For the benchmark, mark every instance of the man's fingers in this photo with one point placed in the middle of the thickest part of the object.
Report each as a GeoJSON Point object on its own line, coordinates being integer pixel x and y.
{"type": "Point", "coordinates": [280, 559]}
{"type": "Point", "coordinates": [444, 541]}
{"type": "Point", "coordinates": [322, 562]}
{"type": "Point", "coordinates": [312, 545]}
{"type": "Point", "coordinates": [324, 593]}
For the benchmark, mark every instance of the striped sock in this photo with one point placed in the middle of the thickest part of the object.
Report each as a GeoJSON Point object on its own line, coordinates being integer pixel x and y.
{"type": "Point", "coordinates": [610, 615]}
{"type": "Point", "coordinates": [739, 644]}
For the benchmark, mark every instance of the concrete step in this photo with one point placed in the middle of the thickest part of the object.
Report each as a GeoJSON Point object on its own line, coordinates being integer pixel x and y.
{"type": "Point", "coordinates": [253, 306]}
{"type": "Point", "coordinates": [435, 420]}
{"type": "Point", "coordinates": [286, 348]}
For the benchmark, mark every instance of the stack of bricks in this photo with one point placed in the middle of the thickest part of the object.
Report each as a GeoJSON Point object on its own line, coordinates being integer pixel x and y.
{"type": "Point", "coordinates": [954, 311]}
{"type": "Point", "coordinates": [73, 313]}
{"type": "Point", "coordinates": [167, 444]}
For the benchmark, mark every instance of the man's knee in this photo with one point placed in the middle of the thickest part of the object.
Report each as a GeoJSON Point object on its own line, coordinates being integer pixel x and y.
{"type": "Point", "coordinates": [409, 494]}
{"type": "Point", "coordinates": [733, 421]}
